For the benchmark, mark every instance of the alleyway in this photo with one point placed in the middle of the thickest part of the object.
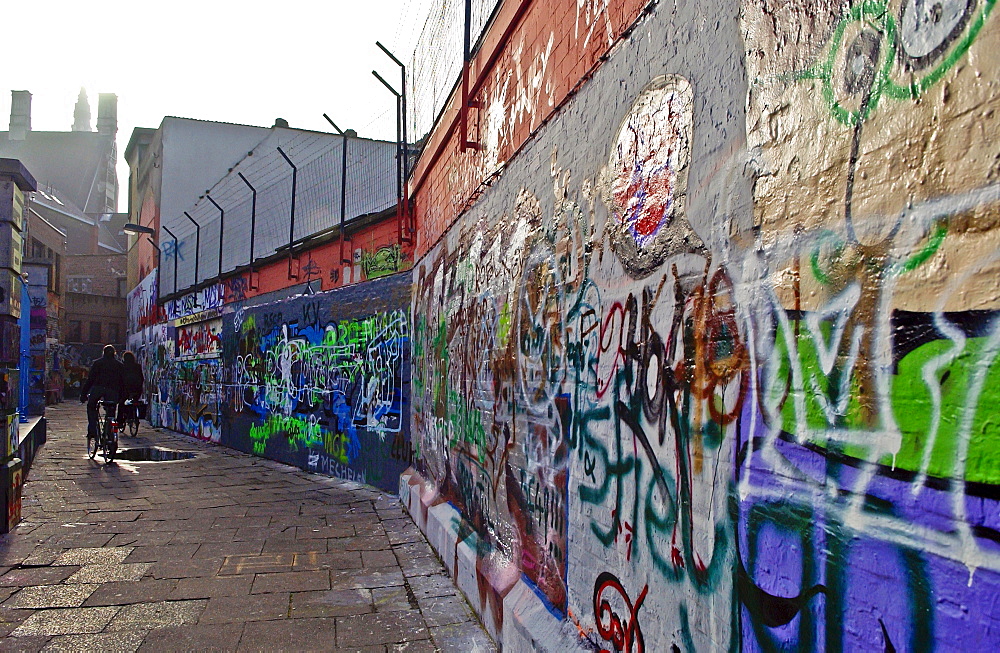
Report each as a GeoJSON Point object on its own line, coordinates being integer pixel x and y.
{"type": "Point", "coordinates": [223, 551]}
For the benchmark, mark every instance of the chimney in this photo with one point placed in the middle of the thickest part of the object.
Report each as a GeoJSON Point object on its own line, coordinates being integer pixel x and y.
{"type": "Point", "coordinates": [107, 114]}
{"type": "Point", "coordinates": [20, 115]}
{"type": "Point", "coordinates": [81, 114]}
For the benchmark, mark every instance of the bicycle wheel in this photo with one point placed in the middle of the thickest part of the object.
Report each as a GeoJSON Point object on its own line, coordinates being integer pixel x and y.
{"type": "Point", "coordinates": [92, 446]}
{"type": "Point", "coordinates": [106, 434]}
{"type": "Point", "coordinates": [133, 426]}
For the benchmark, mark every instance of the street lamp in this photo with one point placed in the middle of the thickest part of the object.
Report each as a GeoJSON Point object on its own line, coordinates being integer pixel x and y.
{"type": "Point", "coordinates": [131, 228]}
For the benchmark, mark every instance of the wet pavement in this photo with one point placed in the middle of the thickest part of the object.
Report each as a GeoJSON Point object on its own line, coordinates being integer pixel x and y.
{"type": "Point", "coordinates": [222, 551]}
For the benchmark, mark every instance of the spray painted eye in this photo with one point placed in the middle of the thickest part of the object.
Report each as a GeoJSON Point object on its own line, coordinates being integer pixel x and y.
{"type": "Point", "coordinates": [928, 27]}
{"type": "Point", "coordinates": [861, 62]}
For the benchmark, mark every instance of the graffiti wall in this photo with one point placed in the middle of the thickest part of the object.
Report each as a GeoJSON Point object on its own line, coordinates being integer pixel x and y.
{"type": "Point", "coordinates": [723, 373]}
{"type": "Point", "coordinates": [322, 381]}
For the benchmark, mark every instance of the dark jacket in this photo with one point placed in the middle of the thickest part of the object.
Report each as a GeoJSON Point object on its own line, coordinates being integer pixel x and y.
{"type": "Point", "coordinates": [134, 383]}
{"type": "Point", "coordinates": [106, 372]}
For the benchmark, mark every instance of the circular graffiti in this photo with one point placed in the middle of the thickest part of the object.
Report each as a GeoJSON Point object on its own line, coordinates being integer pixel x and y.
{"type": "Point", "coordinates": [928, 27]}
{"type": "Point", "coordinates": [648, 168]}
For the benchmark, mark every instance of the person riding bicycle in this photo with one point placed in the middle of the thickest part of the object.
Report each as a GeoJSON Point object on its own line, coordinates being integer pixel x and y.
{"type": "Point", "coordinates": [133, 384]}
{"type": "Point", "coordinates": [105, 381]}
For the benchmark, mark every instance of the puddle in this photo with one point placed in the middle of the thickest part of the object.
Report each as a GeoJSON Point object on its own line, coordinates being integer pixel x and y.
{"type": "Point", "coordinates": [152, 454]}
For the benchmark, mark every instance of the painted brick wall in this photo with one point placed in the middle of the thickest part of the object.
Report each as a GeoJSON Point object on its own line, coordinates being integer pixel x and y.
{"type": "Point", "coordinates": [322, 381]}
{"type": "Point", "coordinates": [711, 364]}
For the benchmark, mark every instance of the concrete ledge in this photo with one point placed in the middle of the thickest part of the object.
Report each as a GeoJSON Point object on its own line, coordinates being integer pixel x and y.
{"type": "Point", "coordinates": [511, 612]}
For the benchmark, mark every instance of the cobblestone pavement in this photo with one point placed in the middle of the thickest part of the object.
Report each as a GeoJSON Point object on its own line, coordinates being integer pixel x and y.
{"type": "Point", "coordinates": [223, 551]}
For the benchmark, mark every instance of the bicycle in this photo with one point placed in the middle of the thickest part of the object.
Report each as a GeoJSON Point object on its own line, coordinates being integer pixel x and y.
{"type": "Point", "coordinates": [107, 440]}
{"type": "Point", "coordinates": [128, 416]}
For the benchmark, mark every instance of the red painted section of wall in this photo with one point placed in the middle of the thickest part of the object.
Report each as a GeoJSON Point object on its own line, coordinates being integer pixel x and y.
{"type": "Point", "coordinates": [517, 88]}
{"type": "Point", "coordinates": [379, 252]}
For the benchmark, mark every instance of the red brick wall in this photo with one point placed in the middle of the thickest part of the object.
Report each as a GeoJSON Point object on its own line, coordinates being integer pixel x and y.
{"type": "Point", "coordinates": [538, 67]}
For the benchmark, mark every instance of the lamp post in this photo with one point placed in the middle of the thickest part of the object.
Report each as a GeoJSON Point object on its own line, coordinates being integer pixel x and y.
{"type": "Point", "coordinates": [174, 289]}
{"type": "Point", "coordinates": [197, 244]}
{"type": "Point", "coordinates": [222, 227]}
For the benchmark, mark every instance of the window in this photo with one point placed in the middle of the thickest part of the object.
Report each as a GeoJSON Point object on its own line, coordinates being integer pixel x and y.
{"type": "Point", "coordinates": [75, 331]}
{"type": "Point", "coordinates": [78, 283]}
{"type": "Point", "coordinates": [95, 332]}
{"type": "Point", "coordinates": [113, 333]}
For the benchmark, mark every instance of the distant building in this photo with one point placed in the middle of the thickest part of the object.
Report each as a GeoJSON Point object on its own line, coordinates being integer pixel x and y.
{"type": "Point", "coordinates": [78, 164]}
{"type": "Point", "coordinates": [44, 260]}
{"type": "Point", "coordinates": [93, 278]}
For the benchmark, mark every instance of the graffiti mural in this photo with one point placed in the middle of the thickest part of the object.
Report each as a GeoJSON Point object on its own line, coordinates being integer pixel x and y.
{"type": "Point", "coordinates": [322, 381]}
{"type": "Point", "coordinates": [725, 380]}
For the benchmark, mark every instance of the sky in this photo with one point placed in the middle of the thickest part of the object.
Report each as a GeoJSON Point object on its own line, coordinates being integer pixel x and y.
{"type": "Point", "coordinates": [247, 63]}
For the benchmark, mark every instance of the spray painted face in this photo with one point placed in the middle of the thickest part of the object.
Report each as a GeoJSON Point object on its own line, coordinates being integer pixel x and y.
{"type": "Point", "coordinates": [648, 173]}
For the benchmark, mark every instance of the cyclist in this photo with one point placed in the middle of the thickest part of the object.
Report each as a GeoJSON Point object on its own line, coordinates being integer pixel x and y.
{"type": "Point", "coordinates": [133, 381]}
{"type": "Point", "coordinates": [105, 381]}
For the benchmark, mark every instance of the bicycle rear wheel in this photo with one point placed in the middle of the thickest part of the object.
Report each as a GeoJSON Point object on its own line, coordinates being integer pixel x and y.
{"type": "Point", "coordinates": [107, 438]}
{"type": "Point", "coordinates": [133, 426]}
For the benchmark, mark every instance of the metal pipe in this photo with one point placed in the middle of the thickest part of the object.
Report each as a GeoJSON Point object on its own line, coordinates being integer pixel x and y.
{"type": "Point", "coordinates": [291, 226]}
{"type": "Point", "coordinates": [197, 245]}
{"type": "Point", "coordinates": [222, 227]}
{"type": "Point", "coordinates": [399, 176]}
{"type": "Point", "coordinates": [174, 291]}
{"type": "Point", "coordinates": [343, 189]}
{"type": "Point", "coordinates": [481, 80]}
{"type": "Point", "coordinates": [405, 141]}
{"type": "Point", "coordinates": [253, 221]}
{"type": "Point", "coordinates": [157, 248]}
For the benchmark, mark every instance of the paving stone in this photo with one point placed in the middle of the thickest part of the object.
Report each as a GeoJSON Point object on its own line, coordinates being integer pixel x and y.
{"type": "Point", "coordinates": [144, 591]}
{"type": "Point", "coordinates": [164, 552]}
{"type": "Point", "coordinates": [391, 599]}
{"type": "Point", "coordinates": [203, 536]}
{"type": "Point", "coordinates": [157, 615]}
{"type": "Point", "coordinates": [37, 576]}
{"type": "Point", "coordinates": [118, 642]}
{"type": "Point", "coordinates": [341, 560]}
{"type": "Point", "coordinates": [224, 550]}
{"type": "Point", "coordinates": [110, 573]}
{"type": "Point", "coordinates": [415, 646]}
{"type": "Point", "coordinates": [436, 585]}
{"type": "Point", "coordinates": [51, 596]}
{"type": "Point", "coordinates": [67, 621]}
{"type": "Point", "coordinates": [186, 568]}
{"type": "Point", "coordinates": [445, 610]}
{"type": "Point", "coordinates": [380, 628]}
{"type": "Point", "coordinates": [29, 644]}
{"type": "Point", "coordinates": [251, 607]}
{"type": "Point", "coordinates": [468, 636]}
{"type": "Point", "coordinates": [291, 581]}
{"type": "Point", "coordinates": [330, 603]}
{"type": "Point", "coordinates": [372, 559]}
{"type": "Point", "coordinates": [203, 588]}
{"type": "Point", "coordinates": [365, 578]}
{"type": "Point", "coordinates": [94, 555]}
{"type": "Point", "coordinates": [253, 564]}
{"type": "Point", "coordinates": [208, 637]}
{"type": "Point", "coordinates": [425, 566]}
{"type": "Point", "coordinates": [290, 635]}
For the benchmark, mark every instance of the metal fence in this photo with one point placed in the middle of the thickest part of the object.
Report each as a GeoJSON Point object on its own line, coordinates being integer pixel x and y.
{"type": "Point", "coordinates": [371, 187]}
{"type": "Point", "coordinates": [437, 58]}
